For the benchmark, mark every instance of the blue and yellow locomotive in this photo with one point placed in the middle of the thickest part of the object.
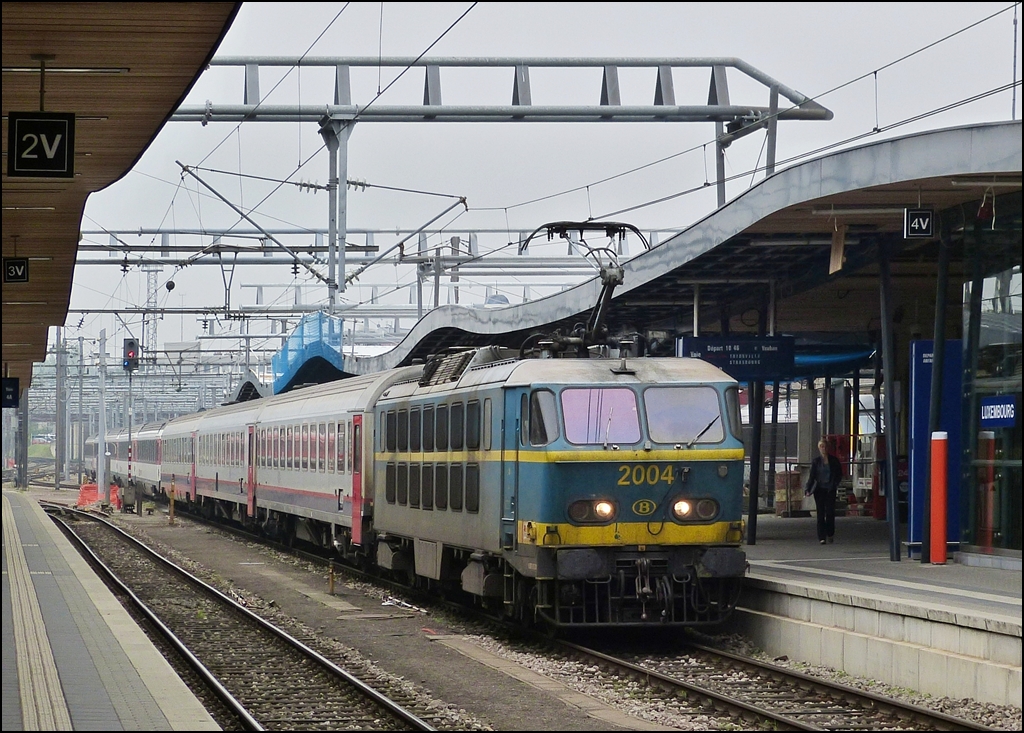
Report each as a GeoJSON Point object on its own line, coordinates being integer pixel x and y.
{"type": "Point", "coordinates": [575, 492]}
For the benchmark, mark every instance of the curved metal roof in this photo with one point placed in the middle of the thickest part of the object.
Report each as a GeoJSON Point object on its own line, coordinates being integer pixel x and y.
{"type": "Point", "coordinates": [762, 234]}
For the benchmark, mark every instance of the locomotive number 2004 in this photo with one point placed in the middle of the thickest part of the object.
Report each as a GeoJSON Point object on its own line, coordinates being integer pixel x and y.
{"type": "Point", "coordinates": [646, 475]}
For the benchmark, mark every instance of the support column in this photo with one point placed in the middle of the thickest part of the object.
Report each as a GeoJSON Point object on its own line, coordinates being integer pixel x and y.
{"type": "Point", "coordinates": [81, 411]}
{"type": "Point", "coordinates": [935, 396]}
{"type": "Point", "coordinates": [755, 410]}
{"type": "Point", "coordinates": [335, 134]}
{"type": "Point", "coordinates": [22, 441]}
{"type": "Point", "coordinates": [696, 310]}
{"type": "Point", "coordinates": [60, 437]}
{"type": "Point", "coordinates": [888, 370]}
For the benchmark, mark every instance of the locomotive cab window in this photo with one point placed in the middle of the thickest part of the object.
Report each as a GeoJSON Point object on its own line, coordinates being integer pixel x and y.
{"type": "Point", "coordinates": [732, 409]}
{"type": "Point", "coordinates": [542, 422]}
{"type": "Point", "coordinates": [600, 415]}
{"type": "Point", "coordinates": [684, 415]}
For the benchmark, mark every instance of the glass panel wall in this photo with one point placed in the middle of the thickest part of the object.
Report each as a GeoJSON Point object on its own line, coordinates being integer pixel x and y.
{"type": "Point", "coordinates": [992, 396]}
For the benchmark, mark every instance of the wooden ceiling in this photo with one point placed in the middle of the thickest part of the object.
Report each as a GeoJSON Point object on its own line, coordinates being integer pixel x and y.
{"type": "Point", "coordinates": [135, 63]}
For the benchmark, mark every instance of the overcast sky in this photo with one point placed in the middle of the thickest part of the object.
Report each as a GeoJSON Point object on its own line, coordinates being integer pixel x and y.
{"type": "Point", "coordinates": [812, 48]}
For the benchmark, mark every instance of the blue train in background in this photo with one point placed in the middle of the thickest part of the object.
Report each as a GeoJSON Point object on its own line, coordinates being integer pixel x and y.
{"type": "Point", "coordinates": [560, 491]}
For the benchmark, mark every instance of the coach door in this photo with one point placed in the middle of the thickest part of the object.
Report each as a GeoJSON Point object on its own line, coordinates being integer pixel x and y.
{"type": "Point", "coordinates": [250, 477]}
{"type": "Point", "coordinates": [509, 469]}
{"type": "Point", "coordinates": [356, 446]}
{"type": "Point", "coordinates": [192, 470]}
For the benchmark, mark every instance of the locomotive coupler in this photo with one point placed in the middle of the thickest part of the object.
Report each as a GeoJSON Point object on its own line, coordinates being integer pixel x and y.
{"type": "Point", "coordinates": [644, 592]}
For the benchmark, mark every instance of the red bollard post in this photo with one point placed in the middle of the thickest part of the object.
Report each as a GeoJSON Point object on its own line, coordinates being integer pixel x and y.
{"type": "Point", "coordinates": [940, 450]}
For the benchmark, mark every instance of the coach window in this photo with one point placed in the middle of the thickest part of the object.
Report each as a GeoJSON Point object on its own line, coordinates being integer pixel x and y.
{"type": "Point", "coordinates": [322, 454]}
{"type": "Point", "coordinates": [275, 438]}
{"type": "Point", "coordinates": [441, 486]}
{"type": "Point", "coordinates": [455, 488]}
{"type": "Point", "coordinates": [473, 488]}
{"type": "Point", "coordinates": [357, 449]}
{"type": "Point", "coordinates": [428, 429]}
{"type": "Point", "coordinates": [414, 485]}
{"type": "Point", "coordinates": [473, 426]}
{"type": "Point", "coordinates": [389, 483]}
{"type": "Point", "coordinates": [403, 483]}
{"type": "Point", "coordinates": [304, 448]}
{"type": "Point", "coordinates": [341, 447]}
{"type": "Point", "coordinates": [297, 448]}
{"type": "Point", "coordinates": [391, 445]}
{"type": "Point", "coordinates": [458, 415]}
{"type": "Point", "coordinates": [427, 491]}
{"type": "Point", "coordinates": [332, 442]}
{"type": "Point", "coordinates": [543, 417]}
{"type": "Point", "coordinates": [415, 445]}
{"type": "Point", "coordinates": [288, 446]}
{"type": "Point", "coordinates": [441, 428]}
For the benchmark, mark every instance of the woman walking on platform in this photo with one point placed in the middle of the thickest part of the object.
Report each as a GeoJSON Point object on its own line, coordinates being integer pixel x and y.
{"type": "Point", "coordinates": [823, 482]}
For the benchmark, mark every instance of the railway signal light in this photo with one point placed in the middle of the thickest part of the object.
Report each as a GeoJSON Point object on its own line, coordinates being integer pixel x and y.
{"type": "Point", "coordinates": [131, 355]}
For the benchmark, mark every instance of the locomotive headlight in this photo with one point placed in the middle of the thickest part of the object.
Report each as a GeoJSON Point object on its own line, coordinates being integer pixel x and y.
{"type": "Point", "coordinates": [592, 511]}
{"type": "Point", "coordinates": [707, 508]}
{"type": "Point", "coordinates": [681, 509]}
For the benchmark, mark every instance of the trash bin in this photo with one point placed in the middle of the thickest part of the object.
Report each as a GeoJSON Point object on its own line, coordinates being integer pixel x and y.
{"type": "Point", "coordinates": [789, 495]}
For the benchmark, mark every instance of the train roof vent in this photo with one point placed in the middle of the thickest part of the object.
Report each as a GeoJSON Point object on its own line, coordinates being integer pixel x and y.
{"type": "Point", "coordinates": [442, 369]}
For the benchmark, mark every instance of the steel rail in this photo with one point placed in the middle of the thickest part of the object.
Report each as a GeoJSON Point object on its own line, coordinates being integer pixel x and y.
{"type": "Point", "coordinates": [407, 717]}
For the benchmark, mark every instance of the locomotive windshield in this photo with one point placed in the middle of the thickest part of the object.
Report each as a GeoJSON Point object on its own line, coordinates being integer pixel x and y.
{"type": "Point", "coordinates": [600, 415]}
{"type": "Point", "coordinates": [684, 415]}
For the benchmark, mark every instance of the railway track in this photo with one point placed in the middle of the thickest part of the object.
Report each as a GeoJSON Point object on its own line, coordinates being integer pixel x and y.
{"type": "Point", "coordinates": [763, 695]}
{"type": "Point", "coordinates": [265, 678]}
{"type": "Point", "coordinates": [753, 694]}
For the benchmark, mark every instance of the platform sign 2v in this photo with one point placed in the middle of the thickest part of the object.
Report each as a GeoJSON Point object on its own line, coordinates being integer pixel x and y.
{"type": "Point", "coordinates": [41, 145]}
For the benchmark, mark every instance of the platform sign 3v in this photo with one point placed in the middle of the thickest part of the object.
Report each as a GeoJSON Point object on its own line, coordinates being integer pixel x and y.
{"type": "Point", "coordinates": [15, 269]}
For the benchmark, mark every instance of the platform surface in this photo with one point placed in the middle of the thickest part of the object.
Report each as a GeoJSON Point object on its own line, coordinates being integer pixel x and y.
{"type": "Point", "coordinates": [73, 659]}
{"type": "Point", "coordinates": [859, 563]}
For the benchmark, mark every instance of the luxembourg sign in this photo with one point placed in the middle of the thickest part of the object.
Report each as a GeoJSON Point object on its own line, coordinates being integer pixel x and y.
{"type": "Point", "coordinates": [999, 411]}
{"type": "Point", "coordinates": [40, 145]}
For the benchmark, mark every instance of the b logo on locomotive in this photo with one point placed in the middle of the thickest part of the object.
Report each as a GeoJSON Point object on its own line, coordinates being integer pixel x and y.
{"type": "Point", "coordinates": [644, 507]}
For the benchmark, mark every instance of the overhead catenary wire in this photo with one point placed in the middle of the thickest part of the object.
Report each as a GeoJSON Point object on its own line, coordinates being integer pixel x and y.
{"type": "Point", "coordinates": [813, 98]}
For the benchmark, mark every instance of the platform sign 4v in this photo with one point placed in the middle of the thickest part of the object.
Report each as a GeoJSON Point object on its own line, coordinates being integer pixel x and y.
{"type": "Point", "coordinates": [918, 224]}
